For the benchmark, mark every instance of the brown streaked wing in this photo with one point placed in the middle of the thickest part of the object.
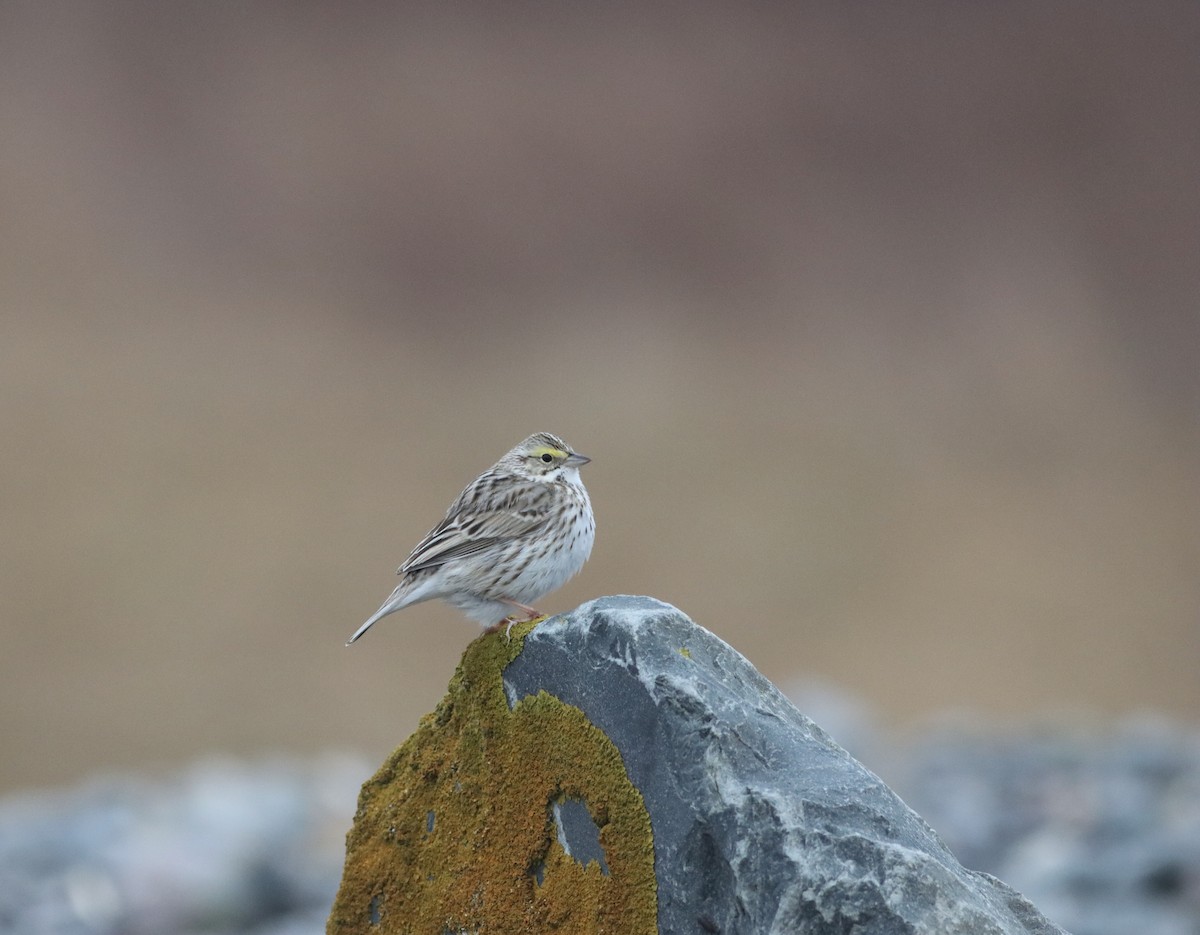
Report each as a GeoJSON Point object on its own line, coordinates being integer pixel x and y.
{"type": "Point", "coordinates": [458, 537]}
{"type": "Point", "coordinates": [492, 510]}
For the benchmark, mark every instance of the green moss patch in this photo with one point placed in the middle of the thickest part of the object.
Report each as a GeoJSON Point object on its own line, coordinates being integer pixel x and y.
{"type": "Point", "coordinates": [454, 833]}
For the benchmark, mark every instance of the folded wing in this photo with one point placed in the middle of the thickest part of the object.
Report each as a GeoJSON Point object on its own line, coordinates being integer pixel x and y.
{"type": "Point", "coordinates": [465, 531]}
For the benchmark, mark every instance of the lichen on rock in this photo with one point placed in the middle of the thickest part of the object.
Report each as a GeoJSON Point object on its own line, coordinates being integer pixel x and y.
{"type": "Point", "coordinates": [456, 831]}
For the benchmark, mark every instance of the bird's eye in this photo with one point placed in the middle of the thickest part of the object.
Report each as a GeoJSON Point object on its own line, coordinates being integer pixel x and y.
{"type": "Point", "coordinates": [547, 457]}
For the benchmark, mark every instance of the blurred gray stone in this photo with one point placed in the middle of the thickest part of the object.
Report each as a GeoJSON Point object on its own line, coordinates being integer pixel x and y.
{"type": "Point", "coordinates": [1101, 828]}
{"type": "Point", "coordinates": [762, 824]}
{"type": "Point", "coordinates": [225, 848]}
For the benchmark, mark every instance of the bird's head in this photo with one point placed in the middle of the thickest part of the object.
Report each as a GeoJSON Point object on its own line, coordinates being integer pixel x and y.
{"type": "Point", "coordinates": [544, 456]}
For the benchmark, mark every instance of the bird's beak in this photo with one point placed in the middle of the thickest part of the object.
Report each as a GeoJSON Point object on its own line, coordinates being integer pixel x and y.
{"type": "Point", "coordinates": [576, 460]}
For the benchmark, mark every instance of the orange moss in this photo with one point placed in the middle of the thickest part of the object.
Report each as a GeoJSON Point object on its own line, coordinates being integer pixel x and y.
{"type": "Point", "coordinates": [451, 829]}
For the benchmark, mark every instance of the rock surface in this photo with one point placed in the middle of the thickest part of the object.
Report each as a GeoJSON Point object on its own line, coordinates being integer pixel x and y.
{"type": "Point", "coordinates": [761, 823]}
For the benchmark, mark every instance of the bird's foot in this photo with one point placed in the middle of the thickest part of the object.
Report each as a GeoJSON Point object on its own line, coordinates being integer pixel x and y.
{"type": "Point", "coordinates": [508, 623]}
{"type": "Point", "coordinates": [530, 613]}
{"type": "Point", "coordinates": [495, 627]}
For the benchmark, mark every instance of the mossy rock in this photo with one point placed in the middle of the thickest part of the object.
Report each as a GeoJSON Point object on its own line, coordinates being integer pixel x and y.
{"type": "Point", "coordinates": [455, 833]}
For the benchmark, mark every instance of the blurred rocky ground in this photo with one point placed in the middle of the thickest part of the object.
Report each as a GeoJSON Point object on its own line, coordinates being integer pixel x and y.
{"type": "Point", "coordinates": [1099, 828]}
{"type": "Point", "coordinates": [221, 846]}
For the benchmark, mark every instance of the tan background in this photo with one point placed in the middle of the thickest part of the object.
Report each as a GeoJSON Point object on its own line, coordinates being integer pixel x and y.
{"type": "Point", "coordinates": [880, 321]}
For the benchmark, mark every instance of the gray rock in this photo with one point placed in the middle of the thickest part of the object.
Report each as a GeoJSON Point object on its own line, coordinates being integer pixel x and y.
{"type": "Point", "coordinates": [762, 824]}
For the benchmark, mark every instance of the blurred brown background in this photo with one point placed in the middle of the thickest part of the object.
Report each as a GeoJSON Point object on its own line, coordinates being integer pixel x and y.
{"type": "Point", "coordinates": [881, 323]}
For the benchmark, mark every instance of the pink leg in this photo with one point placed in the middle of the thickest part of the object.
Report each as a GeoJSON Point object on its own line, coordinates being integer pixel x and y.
{"type": "Point", "coordinates": [531, 611]}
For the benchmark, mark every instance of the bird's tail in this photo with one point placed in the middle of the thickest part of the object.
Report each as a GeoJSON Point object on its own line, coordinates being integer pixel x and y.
{"type": "Point", "coordinates": [398, 599]}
